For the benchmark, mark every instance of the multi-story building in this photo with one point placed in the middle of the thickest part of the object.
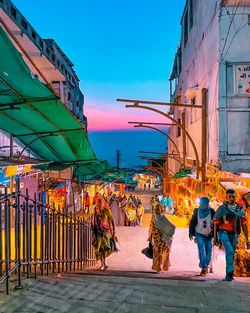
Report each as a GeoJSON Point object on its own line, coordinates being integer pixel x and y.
{"type": "Point", "coordinates": [214, 53]}
{"type": "Point", "coordinates": [54, 66]}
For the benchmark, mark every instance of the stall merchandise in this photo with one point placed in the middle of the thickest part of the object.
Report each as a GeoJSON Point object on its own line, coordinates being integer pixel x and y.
{"type": "Point", "coordinates": [186, 192]}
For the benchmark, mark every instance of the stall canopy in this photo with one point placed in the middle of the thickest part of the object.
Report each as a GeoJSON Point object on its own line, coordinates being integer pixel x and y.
{"type": "Point", "coordinates": [183, 173]}
{"type": "Point", "coordinates": [89, 171]}
{"type": "Point", "coordinates": [34, 115]}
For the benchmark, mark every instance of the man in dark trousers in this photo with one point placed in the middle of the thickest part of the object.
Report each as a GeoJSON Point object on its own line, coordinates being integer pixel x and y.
{"type": "Point", "coordinates": [229, 219]}
{"type": "Point", "coordinates": [201, 228]}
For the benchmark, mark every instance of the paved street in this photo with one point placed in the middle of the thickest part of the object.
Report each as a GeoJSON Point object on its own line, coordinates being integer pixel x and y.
{"type": "Point", "coordinates": [146, 197]}
{"type": "Point", "coordinates": [108, 294]}
{"type": "Point", "coordinates": [130, 286]}
{"type": "Point", "coordinates": [184, 255]}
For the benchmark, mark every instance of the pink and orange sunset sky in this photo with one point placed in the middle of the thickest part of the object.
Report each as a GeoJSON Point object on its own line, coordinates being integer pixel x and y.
{"type": "Point", "coordinates": [120, 49]}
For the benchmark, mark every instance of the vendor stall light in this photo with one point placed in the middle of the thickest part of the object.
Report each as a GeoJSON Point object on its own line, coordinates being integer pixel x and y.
{"type": "Point", "coordinates": [197, 200]}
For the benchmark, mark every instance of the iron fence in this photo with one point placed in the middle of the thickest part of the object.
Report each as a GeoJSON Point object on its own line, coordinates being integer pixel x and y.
{"type": "Point", "coordinates": [38, 239]}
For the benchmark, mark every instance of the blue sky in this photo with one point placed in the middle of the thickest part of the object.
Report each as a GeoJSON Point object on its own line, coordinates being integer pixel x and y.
{"type": "Point", "coordinates": [121, 49]}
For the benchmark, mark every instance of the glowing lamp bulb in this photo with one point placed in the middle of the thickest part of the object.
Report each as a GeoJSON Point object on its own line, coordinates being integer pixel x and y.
{"type": "Point", "coordinates": [197, 200]}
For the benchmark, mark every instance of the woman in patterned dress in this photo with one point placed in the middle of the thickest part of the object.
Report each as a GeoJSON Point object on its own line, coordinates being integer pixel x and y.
{"type": "Point", "coordinates": [131, 216]}
{"type": "Point", "coordinates": [104, 240]}
{"type": "Point", "coordinates": [161, 233]}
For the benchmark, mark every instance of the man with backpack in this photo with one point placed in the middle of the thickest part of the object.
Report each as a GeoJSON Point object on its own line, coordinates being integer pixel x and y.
{"type": "Point", "coordinates": [229, 219]}
{"type": "Point", "coordinates": [201, 229]}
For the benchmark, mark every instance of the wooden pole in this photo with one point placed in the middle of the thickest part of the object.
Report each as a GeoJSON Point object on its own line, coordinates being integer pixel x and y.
{"type": "Point", "coordinates": [137, 106]}
{"type": "Point", "coordinates": [166, 175]}
{"type": "Point", "coordinates": [204, 136]}
{"type": "Point", "coordinates": [184, 141]}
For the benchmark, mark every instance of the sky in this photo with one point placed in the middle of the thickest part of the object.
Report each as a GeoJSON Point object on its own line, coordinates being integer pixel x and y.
{"type": "Point", "coordinates": [120, 49]}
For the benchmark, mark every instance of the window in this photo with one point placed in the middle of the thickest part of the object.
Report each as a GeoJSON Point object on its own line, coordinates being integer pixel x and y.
{"type": "Point", "coordinates": [58, 63]}
{"type": "Point", "coordinates": [33, 34]}
{"type": "Point", "coordinates": [41, 43]}
{"type": "Point", "coordinates": [24, 24]}
{"type": "Point", "coordinates": [193, 111]}
{"type": "Point", "coordinates": [238, 133]}
{"type": "Point", "coordinates": [230, 80]}
{"type": "Point", "coordinates": [53, 57]}
{"type": "Point", "coordinates": [56, 87]}
{"type": "Point", "coordinates": [179, 129]}
{"type": "Point", "coordinates": [185, 29]}
{"type": "Point", "coordinates": [48, 51]}
{"type": "Point", "coordinates": [69, 96]}
{"type": "Point", "coordinates": [191, 13]}
{"type": "Point", "coordinates": [242, 74]}
{"type": "Point", "coordinates": [13, 11]}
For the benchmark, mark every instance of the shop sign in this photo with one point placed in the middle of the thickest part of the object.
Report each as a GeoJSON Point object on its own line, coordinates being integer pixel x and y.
{"type": "Point", "coordinates": [243, 79]}
{"type": "Point", "coordinates": [65, 174]}
{"type": "Point", "coordinates": [17, 169]}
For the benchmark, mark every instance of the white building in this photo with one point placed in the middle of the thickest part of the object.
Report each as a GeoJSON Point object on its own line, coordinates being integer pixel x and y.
{"type": "Point", "coordinates": [214, 53]}
{"type": "Point", "coordinates": [54, 66]}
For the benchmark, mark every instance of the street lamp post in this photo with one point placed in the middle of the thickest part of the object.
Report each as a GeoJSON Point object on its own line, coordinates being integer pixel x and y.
{"type": "Point", "coordinates": [137, 105]}
{"type": "Point", "coordinates": [166, 164]}
{"type": "Point", "coordinates": [145, 125]}
{"type": "Point", "coordinates": [203, 107]}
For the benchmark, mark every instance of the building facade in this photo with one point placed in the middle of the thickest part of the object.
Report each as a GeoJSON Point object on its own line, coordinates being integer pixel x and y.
{"type": "Point", "coordinates": [214, 54]}
{"type": "Point", "coordinates": [54, 66]}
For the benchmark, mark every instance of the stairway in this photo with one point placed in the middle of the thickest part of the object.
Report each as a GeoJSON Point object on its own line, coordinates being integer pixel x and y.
{"type": "Point", "coordinates": [184, 254]}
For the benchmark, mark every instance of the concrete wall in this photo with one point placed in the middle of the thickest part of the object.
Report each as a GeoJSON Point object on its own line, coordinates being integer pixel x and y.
{"type": "Point", "coordinates": [235, 54]}
{"type": "Point", "coordinates": [214, 42]}
{"type": "Point", "coordinates": [200, 70]}
{"type": "Point", "coordinates": [49, 58]}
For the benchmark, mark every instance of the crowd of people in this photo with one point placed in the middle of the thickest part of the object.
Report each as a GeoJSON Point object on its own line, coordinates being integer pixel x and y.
{"type": "Point", "coordinates": [207, 228]}
{"type": "Point", "coordinates": [113, 210]}
{"type": "Point", "coordinates": [127, 210]}
{"type": "Point", "coordinates": [219, 228]}
{"type": "Point", "coordinates": [165, 201]}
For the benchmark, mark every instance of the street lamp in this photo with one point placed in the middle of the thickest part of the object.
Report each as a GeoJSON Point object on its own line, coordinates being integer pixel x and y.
{"type": "Point", "coordinates": [137, 104]}
{"type": "Point", "coordinates": [146, 125]}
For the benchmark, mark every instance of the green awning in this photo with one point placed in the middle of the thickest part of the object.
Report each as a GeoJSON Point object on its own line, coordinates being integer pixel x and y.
{"type": "Point", "coordinates": [88, 171]}
{"type": "Point", "coordinates": [31, 112]}
{"type": "Point", "coordinates": [182, 173]}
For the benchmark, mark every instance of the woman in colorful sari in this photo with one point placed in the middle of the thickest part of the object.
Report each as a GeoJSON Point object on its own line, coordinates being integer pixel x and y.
{"type": "Point", "coordinates": [104, 242]}
{"type": "Point", "coordinates": [131, 214]}
{"type": "Point", "coordinates": [140, 213]}
{"type": "Point", "coordinates": [122, 208]}
{"type": "Point", "coordinates": [114, 206]}
{"type": "Point", "coordinates": [161, 234]}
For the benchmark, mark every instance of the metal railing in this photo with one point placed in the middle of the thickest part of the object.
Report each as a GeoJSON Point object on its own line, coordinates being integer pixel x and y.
{"type": "Point", "coordinates": [38, 239]}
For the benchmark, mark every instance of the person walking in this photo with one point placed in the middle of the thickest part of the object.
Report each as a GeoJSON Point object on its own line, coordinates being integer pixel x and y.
{"type": "Point", "coordinates": [153, 203]}
{"type": "Point", "coordinates": [122, 200]}
{"type": "Point", "coordinates": [104, 239]}
{"type": "Point", "coordinates": [114, 206]}
{"type": "Point", "coordinates": [140, 212]}
{"type": "Point", "coordinates": [229, 219]}
{"type": "Point", "coordinates": [164, 202]}
{"type": "Point", "coordinates": [161, 234]}
{"type": "Point", "coordinates": [200, 227]}
{"type": "Point", "coordinates": [131, 214]}
{"type": "Point", "coordinates": [86, 202]}
{"type": "Point", "coordinates": [170, 209]}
